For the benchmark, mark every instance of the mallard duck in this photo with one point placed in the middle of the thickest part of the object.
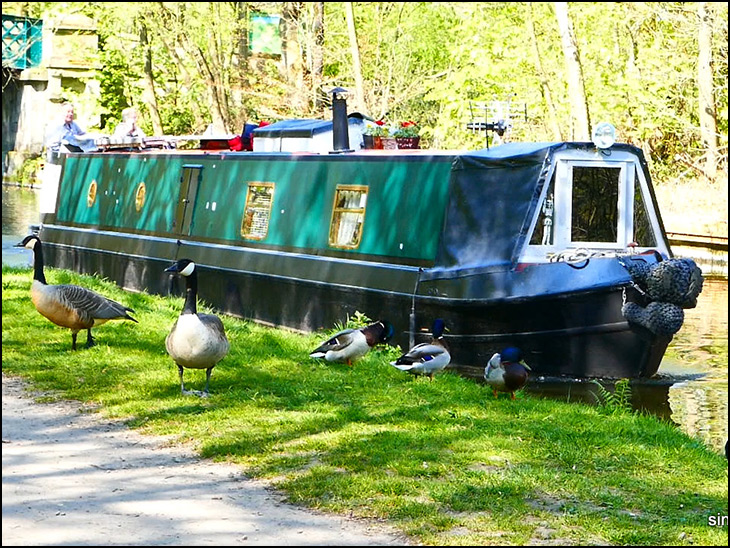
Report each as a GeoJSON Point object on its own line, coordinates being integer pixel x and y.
{"type": "Point", "coordinates": [429, 357]}
{"type": "Point", "coordinates": [196, 341]}
{"type": "Point", "coordinates": [352, 344]}
{"type": "Point", "coordinates": [506, 371]}
{"type": "Point", "coordinates": [68, 305]}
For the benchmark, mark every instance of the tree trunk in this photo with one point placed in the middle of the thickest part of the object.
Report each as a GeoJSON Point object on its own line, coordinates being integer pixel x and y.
{"type": "Point", "coordinates": [291, 56]}
{"type": "Point", "coordinates": [217, 95]}
{"type": "Point", "coordinates": [242, 12]}
{"type": "Point", "coordinates": [576, 89]}
{"type": "Point", "coordinates": [317, 54]}
{"type": "Point", "coordinates": [546, 92]}
{"type": "Point", "coordinates": [708, 112]}
{"type": "Point", "coordinates": [148, 95]}
{"type": "Point", "coordinates": [356, 65]}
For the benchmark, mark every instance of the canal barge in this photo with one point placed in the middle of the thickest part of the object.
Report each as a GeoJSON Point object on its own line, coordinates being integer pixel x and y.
{"type": "Point", "coordinates": [537, 245]}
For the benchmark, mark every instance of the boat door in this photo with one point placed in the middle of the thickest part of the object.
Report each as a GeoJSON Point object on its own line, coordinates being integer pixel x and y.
{"type": "Point", "coordinates": [189, 182]}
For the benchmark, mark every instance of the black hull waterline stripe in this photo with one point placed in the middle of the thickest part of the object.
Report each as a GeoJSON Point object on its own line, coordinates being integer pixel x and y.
{"type": "Point", "coordinates": [406, 269]}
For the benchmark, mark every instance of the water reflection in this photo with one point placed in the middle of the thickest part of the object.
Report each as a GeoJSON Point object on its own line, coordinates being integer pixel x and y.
{"type": "Point", "coordinates": [700, 407]}
{"type": "Point", "coordinates": [691, 388]}
{"type": "Point", "coordinates": [20, 210]}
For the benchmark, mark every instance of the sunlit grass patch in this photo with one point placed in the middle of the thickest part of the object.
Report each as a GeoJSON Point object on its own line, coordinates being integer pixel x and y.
{"type": "Point", "coordinates": [443, 460]}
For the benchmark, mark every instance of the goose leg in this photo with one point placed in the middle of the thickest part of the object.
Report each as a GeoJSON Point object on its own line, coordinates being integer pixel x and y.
{"type": "Point", "coordinates": [207, 381]}
{"type": "Point", "coordinates": [89, 339]}
{"type": "Point", "coordinates": [495, 393]}
{"type": "Point", "coordinates": [513, 395]}
{"type": "Point", "coordinates": [73, 340]}
{"type": "Point", "coordinates": [182, 384]}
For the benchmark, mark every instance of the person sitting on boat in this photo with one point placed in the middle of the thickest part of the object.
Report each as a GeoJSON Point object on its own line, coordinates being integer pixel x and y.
{"type": "Point", "coordinates": [128, 126]}
{"type": "Point", "coordinates": [68, 136]}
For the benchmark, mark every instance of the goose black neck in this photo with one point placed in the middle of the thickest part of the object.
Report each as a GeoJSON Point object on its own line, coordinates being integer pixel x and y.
{"type": "Point", "coordinates": [38, 263]}
{"type": "Point", "coordinates": [191, 294]}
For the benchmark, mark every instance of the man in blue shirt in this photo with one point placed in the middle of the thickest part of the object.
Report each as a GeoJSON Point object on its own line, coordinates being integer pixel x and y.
{"type": "Point", "coordinates": [67, 137]}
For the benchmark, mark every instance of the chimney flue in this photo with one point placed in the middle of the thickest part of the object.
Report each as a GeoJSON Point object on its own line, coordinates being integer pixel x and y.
{"type": "Point", "coordinates": [340, 123]}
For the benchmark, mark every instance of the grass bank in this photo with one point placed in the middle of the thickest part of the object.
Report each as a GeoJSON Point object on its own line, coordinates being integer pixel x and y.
{"type": "Point", "coordinates": [443, 461]}
{"type": "Point", "coordinates": [694, 206]}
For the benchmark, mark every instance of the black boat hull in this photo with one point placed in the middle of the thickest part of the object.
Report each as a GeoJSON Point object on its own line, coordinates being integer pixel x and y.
{"type": "Point", "coordinates": [570, 333]}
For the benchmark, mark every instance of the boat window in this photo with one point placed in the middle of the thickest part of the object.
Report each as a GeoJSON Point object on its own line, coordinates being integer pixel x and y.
{"type": "Point", "coordinates": [643, 233]}
{"type": "Point", "coordinates": [543, 234]}
{"type": "Point", "coordinates": [595, 204]}
{"type": "Point", "coordinates": [348, 215]}
{"type": "Point", "coordinates": [257, 212]}
{"type": "Point", "coordinates": [599, 204]}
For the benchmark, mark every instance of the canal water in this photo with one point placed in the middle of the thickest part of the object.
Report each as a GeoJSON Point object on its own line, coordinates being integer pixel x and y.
{"type": "Point", "coordinates": [691, 388]}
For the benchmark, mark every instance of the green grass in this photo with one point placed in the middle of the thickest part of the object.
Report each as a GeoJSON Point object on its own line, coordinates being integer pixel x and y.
{"type": "Point", "coordinates": [443, 461]}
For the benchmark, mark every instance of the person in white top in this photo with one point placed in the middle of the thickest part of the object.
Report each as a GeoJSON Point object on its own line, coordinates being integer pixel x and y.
{"type": "Point", "coordinates": [128, 126]}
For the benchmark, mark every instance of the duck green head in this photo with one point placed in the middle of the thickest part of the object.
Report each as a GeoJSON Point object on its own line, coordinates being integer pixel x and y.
{"type": "Point", "coordinates": [512, 354]}
{"type": "Point", "coordinates": [438, 328]}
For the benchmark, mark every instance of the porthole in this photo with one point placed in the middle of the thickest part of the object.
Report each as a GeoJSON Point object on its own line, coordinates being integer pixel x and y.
{"type": "Point", "coordinates": [139, 196]}
{"type": "Point", "coordinates": [91, 196]}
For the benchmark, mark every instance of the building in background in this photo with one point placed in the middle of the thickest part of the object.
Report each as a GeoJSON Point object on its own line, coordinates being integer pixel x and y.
{"type": "Point", "coordinates": [45, 63]}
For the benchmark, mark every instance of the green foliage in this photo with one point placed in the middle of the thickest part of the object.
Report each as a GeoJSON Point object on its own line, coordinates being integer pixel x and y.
{"type": "Point", "coordinates": [441, 460]}
{"type": "Point", "coordinates": [30, 171]}
{"type": "Point", "coordinates": [425, 61]}
{"type": "Point", "coordinates": [407, 129]}
{"type": "Point", "coordinates": [113, 81]}
{"type": "Point", "coordinates": [618, 401]}
{"type": "Point", "coordinates": [356, 321]}
{"type": "Point", "coordinates": [377, 131]}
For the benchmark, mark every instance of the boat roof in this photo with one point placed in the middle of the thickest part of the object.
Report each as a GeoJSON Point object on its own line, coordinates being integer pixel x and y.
{"type": "Point", "coordinates": [297, 128]}
{"type": "Point", "coordinates": [494, 196]}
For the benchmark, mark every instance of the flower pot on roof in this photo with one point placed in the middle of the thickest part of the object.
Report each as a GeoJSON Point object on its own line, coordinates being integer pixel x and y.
{"type": "Point", "coordinates": [389, 143]}
{"type": "Point", "coordinates": [407, 135]}
{"type": "Point", "coordinates": [374, 132]}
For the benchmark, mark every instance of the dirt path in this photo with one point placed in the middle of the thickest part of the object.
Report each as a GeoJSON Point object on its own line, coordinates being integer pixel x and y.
{"type": "Point", "coordinates": [73, 478]}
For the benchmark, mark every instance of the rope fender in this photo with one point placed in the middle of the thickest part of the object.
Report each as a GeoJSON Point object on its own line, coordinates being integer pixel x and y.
{"type": "Point", "coordinates": [671, 286]}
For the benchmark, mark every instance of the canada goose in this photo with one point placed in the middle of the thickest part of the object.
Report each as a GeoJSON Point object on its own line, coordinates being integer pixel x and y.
{"type": "Point", "coordinates": [69, 305]}
{"type": "Point", "coordinates": [506, 371]}
{"type": "Point", "coordinates": [196, 341]}
{"type": "Point", "coordinates": [427, 358]}
{"type": "Point", "coordinates": [351, 344]}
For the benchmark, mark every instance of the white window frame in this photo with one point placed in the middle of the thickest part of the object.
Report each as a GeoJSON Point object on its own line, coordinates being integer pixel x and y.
{"type": "Point", "coordinates": [564, 162]}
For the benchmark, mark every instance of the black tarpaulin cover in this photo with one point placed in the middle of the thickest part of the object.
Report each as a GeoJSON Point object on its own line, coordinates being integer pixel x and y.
{"type": "Point", "coordinates": [493, 196]}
